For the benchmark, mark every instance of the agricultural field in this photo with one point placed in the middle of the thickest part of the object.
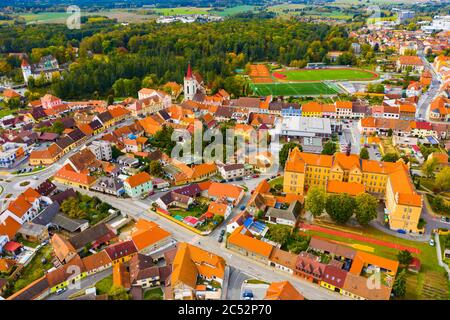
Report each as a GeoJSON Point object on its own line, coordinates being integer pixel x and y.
{"type": "Point", "coordinates": [293, 89]}
{"type": "Point", "coordinates": [326, 74]}
{"type": "Point", "coordinates": [233, 10]}
{"type": "Point", "coordinates": [181, 11]}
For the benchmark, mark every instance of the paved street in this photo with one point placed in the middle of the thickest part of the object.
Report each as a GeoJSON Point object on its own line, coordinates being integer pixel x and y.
{"type": "Point", "coordinates": [426, 98]}
{"type": "Point", "coordinates": [81, 285]}
{"type": "Point", "coordinates": [138, 209]}
{"type": "Point", "coordinates": [235, 281]}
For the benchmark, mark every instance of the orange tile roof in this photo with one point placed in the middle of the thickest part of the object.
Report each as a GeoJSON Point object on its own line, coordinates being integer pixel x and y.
{"type": "Point", "coordinates": [407, 108]}
{"type": "Point", "coordinates": [217, 208]}
{"type": "Point", "coordinates": [138, 179]}
{"type": "Point", "coordinates": [9, 227]}
{"type": "Point", "coordinates": [121, 277]}
{"type": "Point", "coordinates": [283, 290]}
{"type": "Point", "coordinates": [118, 112]}
{"type": "Point", "coordinates": [344, 104]}
{"type": "Point", "coordinates": [61, 247]}
{"type": "Point", "coordinates": [351, 188]}
{"type": "Point", "coordinates": [402, 186]}
{"type": "Point", "coordinates": [363, 258]}
{"type": "Point", "coordinates": [86, 129]}
{"type": "Point", "coordinates": [19, 206]}
{"type": "Point", "coordinates": [347, 162]}
{"type": "Point", "coordinates": [410, 60]}
{"type": "Point", "coordinates": [249, 243]}
{"type": "Point", "coordinates": [147, 233]}
{"type": "Point", "coordinates": [31, 195]}
{"type": "Point", "coordinates": [295, 162]}
{"type": "Point", "coordinates": [96, 260]}
{"type": "Point", "coordinates": [8, 93]}
{"type": "Point", "coordinates": [68, 174]}
{"type": "Point", "coordinates": [191, 261]}
{"type": "Point", "coordinates": [311, 107]}
{"type": "Point", "coordinates": [51, 152]}
{"type": "Point", "coordinates": [441, 157]}
{"type": "Point", "coordinates": [217, 189]}
{"type": "Point", "coordinates": [203, 169]}
{"type": "Point", "coordinates": [368, 122]}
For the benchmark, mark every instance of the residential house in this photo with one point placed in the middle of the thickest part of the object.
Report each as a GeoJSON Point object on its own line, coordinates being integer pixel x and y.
{"type": "Point", "coordinates": [138, 184]}
{"type": "Point", "coordinates": [283, 290]}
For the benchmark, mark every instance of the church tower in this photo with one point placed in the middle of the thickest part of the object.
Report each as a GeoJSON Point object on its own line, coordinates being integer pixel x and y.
{"type": "Point", "coordinates": [26, 70]}
{"type": "Point", "coordinates": [190, 85]}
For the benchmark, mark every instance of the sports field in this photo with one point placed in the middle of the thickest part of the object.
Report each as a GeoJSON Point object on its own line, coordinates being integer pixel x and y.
{"type": "Point", "coordinates": [325, 74]}
{"type": "Point", "coordinates": [293, 89]}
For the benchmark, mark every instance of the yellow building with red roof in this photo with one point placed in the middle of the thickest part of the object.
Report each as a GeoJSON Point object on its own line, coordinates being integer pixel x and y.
{"type": "Point", "coordinates": [350, 174]}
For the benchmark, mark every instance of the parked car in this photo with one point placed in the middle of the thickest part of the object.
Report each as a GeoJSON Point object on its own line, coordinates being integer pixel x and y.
{"type": "Point", "coordinates": [238, 179]}
{"type": "Point", "coordinates": [242, 207]}
{"type": "Point", "coordinates": [222, 232]}
{"type": "Point", "coordinates": [220, 239]}
{"type": "Point", "coordinates": [35, 178]}
{"type": "Point", "coordinates": [431, 243]}
{"type": "Point", "coordinates": [443, 219]}
{"type": "Point", "coordinates": [255, 176]}
{"type": "Point", "coordinates": [248, 295]}
{"type": "Point", "coordinates": [61, 290]}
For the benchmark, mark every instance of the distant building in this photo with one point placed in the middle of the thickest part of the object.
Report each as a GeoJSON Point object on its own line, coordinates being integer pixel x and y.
{"type": "Point", "coordinates": [101, 149]}
{"type": "Point", "coordinates": [439, 23]}
{"type": "Point", "coordinates": [405, 15]}
{"type": "Point", "coordinates": [46, 67]}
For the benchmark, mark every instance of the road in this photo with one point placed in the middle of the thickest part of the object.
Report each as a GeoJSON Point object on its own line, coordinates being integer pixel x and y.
{"type": "Point", "coordinates": [138, 209]}
{"type": "Point", "coordinates": [425, 99]}
{"type": "Point", "coordinates": [81, 285]}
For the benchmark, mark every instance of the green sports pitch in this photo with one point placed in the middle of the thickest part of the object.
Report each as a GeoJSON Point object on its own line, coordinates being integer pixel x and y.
{"type": "Point", "coordinates": [294, 89]}
{"type": "Point", "coordinates": [327, 74]}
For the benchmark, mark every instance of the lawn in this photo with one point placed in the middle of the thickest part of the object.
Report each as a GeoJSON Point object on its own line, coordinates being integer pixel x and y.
{"type": "Point", "coordinates": [35, 269]}
{"type": "Point", "coordinates": [104, 286]}
{"type": "Point", "coordinates": [154, 294]}
{"type": "Point", "coordinates": [277, 180]}
{"type": "Point", "coordinates": [233, 10]}
{"type": "Point", "coordinates": [328, 74]}
{"type": "Point", "coordinates": [196, 211]}
{"type": "Point", "coordinates": [293, 89]}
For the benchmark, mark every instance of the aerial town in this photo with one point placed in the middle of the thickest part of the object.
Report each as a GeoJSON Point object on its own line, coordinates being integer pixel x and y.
{"type": "Point", "coordinates": [203, 155]}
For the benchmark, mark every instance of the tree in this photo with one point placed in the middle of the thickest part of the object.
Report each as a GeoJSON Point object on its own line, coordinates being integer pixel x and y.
{"type": "Point", "coordinates": [315, 201]}
{"type": "Point", "coordinates": [429, 167]}
{"type": "Point", "coordinates": [118, 293]}
{"type": "Point", "coordinates": [390, 157]}
{"type": "Point", "coordinates": [284, 152]}
{"type": "Point", "coordinates": [399, 286]}
{"type": "Point", "coordinates": [110, 99]}
{"type": "Point", "coordinates": [442, 180]}
{"type": "Point", "coordinates": [218, 219]}
{"type": "Point", "coordinates": [279, 234]}
{"type": "Point", "coordinates": [364, 153]}
{"type": "Point", "coordinates": [329, 148]}
{"type": "Point", "coordinates": [366, 208]}
{"type": "Point", "coordinates": [340, 207]}
{"type": "Point", "coordinates": [390, 132]}
{"type": "Point", "coordinates": [156, 168]}
{"type": "Point", "coordinates": [404, 257]}
{"type": "Point", "coordinates": [116, 152]}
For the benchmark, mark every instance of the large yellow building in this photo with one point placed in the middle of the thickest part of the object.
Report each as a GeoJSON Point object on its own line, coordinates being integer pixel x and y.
{"type": "Point", "coordinates": [385, 180]}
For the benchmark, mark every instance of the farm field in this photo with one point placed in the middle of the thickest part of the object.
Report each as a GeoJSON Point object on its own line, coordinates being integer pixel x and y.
{"type": "Point", "coordinates": [293, 89]}
{"type": "Point", "coordinates": [233, 10]}
{"type": "Point", "coordinates": [181, 10]}
{"type": "Point", "coordinates": [327, 74]}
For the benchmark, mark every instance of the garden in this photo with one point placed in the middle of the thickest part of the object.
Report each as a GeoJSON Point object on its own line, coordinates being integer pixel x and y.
{"type": "Point", "coordinates": [86, 207]}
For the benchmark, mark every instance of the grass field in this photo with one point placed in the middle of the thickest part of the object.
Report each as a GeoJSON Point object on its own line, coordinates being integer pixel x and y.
{"type": "Point", "coordinates": [181, 10]}
{"type": "Point", "coordinates": [327, 74]}
{"type": "Point", "coordinates": [293, 89]}
{"type": "Point", "coordinates": [233, 10]}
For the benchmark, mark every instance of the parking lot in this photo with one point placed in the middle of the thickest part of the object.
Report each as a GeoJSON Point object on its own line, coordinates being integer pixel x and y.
{"type": "Point", "coordinates": [258, 290]}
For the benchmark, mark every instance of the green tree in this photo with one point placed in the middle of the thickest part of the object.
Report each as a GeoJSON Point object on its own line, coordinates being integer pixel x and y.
{"type": "Point", "coordinates": [404, 257]}
{"type": "Point", "coordinates": [315, 201]}
{"type": "Point", "coordinates": [279, 234]}
{"type": "Point", "coordinates": [399, 286]}
{"type": "Point", "coordinates": [364, 153]}
{"type": "Point", "coordinates": [442, 180]}
{"type": "Point", "coordinates": [429, 167]}
{"type": "Point", "coordinates": [116, 152]}
{"type": "Point", "coordinates": [340, 207]}
{"type": "Point", "coordinates": [156, 168]}
{"type": "Point", "coordinates": [284, 152]}
{"type": "Point", "coordinates": [118, 293]}
{"type": "Point", "coordinates": [218, 219]}
{"type": "Point", "coordinates": [329, 148]}
{"type": "Point", "coordinates": [390, 157]}
{"type": "Point", "coordinates": [366, 208]}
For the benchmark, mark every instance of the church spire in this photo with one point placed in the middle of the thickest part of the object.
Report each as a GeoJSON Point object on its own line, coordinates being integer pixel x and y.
{"type": "Point", "coordinates": [189, 71]}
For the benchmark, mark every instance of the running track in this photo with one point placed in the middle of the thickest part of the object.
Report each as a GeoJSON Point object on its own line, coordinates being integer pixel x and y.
{"type": "Point", "coordinates": [358, 238]}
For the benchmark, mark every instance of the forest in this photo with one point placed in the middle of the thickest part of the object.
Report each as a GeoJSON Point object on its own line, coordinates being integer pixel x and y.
{"type": "Point", "coordinates": [109, 52]}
